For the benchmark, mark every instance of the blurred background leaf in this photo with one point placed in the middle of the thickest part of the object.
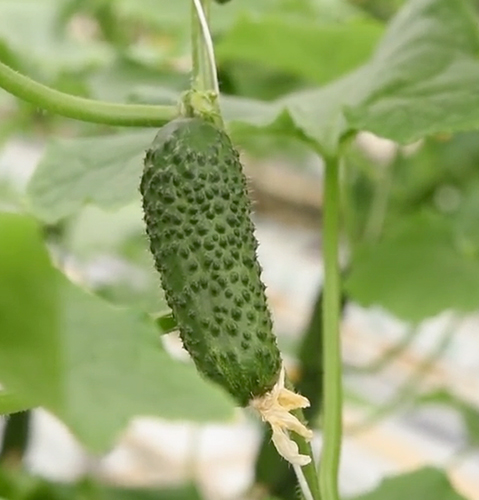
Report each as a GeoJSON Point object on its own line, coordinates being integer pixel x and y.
{"type": "Point", "coordinates": [468, 412]}
{"type": "Point", "coordinates": [93, 365]}
{"type": "Point", "coordinates": [427, 483]}
{"type": "Point", "coordinates": [30, 362]}
{"type": "Point", "coordinates": [415, 271]}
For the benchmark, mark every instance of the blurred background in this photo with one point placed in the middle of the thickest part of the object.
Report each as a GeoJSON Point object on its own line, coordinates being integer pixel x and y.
{"type": "Point", "coordinates": [411, 361]}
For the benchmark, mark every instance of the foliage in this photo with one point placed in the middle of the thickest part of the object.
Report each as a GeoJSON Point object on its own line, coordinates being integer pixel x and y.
{"type": "Point", "coordinates": [291, 71]}
{"type": "Point", "coordinates": [427, 483]}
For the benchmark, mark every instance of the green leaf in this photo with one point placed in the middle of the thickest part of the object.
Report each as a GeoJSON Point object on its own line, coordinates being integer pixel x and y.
{"type": "Point", "coordinates": [174, 16]}
{"type": "Point", "coordinates": [11, 403]}
{"type": "Point", "coordinates": [29, 342]}
{"type": "Point", "coordinates": [468, 412]}
{"type": "Point", "coordinates": [104, 171]}
{"type": "Point", "coordinates": [119, 81]}
{"type": "Point", "coordinates": [178, 493]}
{"type": "Point", "coordinates": [93, 365]}
{"type": "Point", "coordinates": [114, 243]}
{"type": "Point", "coordinates": [167, 323]}
{"type": "Point", "coordinates": [421, 80]}
{"type": "Point", "coordinates": [416, 271]}
{"type": "Point", "coordinates": [301, 47]}
{"type": "Point", "coordinates": [423, 77]}
{"type": "Point", "coordinates": [17, 484]}
{"type": "Point", "coordinates": [427, 483]}
{"type": "Point", "coordinates": [115, 369]}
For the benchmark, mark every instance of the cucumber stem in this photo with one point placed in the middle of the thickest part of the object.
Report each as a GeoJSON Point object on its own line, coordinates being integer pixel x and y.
{"type": "Point", "coordinates": [202, 99]}
{"type": "Point", "coordinates": [79, 108]}
{"type": "Point", "coordinates": [303, 484]}
{"type": "Point", "coordinates": [332, 381]}
{"type": "Point", "coordinates": [205, 77]}
{"type": "Point", "coordinates": [309, 472]}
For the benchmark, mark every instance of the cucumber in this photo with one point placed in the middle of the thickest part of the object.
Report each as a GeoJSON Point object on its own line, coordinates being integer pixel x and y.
{"type": "Point", "coordinates": [198, 221]}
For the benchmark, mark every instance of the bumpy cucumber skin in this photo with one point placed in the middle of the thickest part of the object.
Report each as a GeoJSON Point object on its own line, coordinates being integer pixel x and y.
{"type": "Point", "coordinates": [197, 213]}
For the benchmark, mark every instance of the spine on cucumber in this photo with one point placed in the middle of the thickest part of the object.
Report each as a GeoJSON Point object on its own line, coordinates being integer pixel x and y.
{"type": "Point", "coordinates": [198, 220]}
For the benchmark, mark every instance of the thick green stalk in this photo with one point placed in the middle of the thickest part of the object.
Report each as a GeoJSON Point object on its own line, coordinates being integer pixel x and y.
{"type": "Point", "coordinates": [79, 108]}
{"type": "Point", "coordinates": [332, 379]}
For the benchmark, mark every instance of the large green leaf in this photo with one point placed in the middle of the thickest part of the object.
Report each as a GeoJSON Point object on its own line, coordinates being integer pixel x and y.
{"type": "Point", "coordinates": [18, 484]}
{"type": "Point", "coordinates": [94, 365]}
{"type": "Point", "coordinates": [104, 171]}
{"type": "Point", "coordinates": [300, 47]}
{"type": "Point", "coordinates": [417, 270]}
{"type": "Point", "coordinates": [29, 338]}
{"type": "Point", "coordinates": [115, 368]}
{"type": "Point", "coordinates": [424, 77]}
{"type": "Point", "coordinates": [175, 15]}
{"type": "Point", "coordinates": [427, 483]}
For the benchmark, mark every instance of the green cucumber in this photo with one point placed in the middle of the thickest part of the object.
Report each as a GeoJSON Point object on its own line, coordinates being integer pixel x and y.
{"type": "Point", "coordinates": [198, 221]}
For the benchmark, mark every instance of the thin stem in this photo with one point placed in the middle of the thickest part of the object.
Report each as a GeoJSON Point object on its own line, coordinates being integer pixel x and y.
{"type": "Point", "coordinates": [204, 65]}
{"type": "Point", "coordinates": [79, 108]}
{"type": "Point", "coordinates": [309, 471]}
{"type": "Point", "coordinates": [305, 490]}
{"type": "Point", "coordinates": [332, 380]}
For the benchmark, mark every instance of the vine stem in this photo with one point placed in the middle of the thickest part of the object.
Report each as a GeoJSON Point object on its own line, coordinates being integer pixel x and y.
{"type": "Point", "coordinates": [204, 64]}
{"type": "Point", "coordinates": [79, 108]}
{"type": "Point", "coordinates": [332, 381]}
